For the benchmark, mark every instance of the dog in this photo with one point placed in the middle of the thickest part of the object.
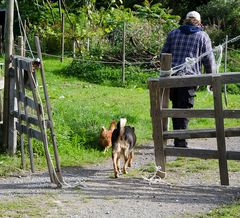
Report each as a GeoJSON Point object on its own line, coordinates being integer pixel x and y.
{"type": "Point", "coordinates": [106, 136]}
{"type": "Point", "coordinates": [123, 142]}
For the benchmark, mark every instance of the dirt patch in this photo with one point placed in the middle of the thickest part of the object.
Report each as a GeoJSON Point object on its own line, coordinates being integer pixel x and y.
{"type": "Point", "coordinates": [93, 192]}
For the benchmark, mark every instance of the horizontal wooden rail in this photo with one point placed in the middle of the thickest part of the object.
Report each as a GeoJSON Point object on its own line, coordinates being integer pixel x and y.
{"type": "Point", "coordinates": [24, 63]}
{"type": "Point", "coordinates": [29, 101]}
{"type": "Point", "coordinates": [193, 80]}
{"type": "Point", "coordinates": [197, 113]}
{"type": "Point", "coordinates": [33, 133]}
{"type": "Point", "coordinates": [31, 119]}
{"type": "Point", "coordinates": [199, 133]}
{"type": "Point", "coordinates": [200, 153]}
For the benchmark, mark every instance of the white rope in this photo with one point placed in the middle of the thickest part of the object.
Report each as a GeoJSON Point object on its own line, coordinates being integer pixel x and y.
{"type": "Point", "coordinates": [155, 178]}
{"type": "Point", "coordinates": [191, 61]}
{"type": "Point", "coordinates": [166, 73]}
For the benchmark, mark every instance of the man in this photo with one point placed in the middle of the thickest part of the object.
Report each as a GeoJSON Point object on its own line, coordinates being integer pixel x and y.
{"type": "Point", "coordinates": [188, 41]}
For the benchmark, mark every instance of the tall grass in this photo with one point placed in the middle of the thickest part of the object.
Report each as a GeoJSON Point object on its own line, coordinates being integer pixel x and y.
{"type": "Point", "coordinates": [80, 109]}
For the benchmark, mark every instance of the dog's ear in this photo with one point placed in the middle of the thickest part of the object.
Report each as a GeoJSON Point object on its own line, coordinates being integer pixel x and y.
{"type": "Point", "coordinates": [133, 129]}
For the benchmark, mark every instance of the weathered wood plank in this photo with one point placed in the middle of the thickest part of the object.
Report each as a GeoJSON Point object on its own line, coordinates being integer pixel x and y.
{"type": "Point", "coordinates": [228, 78]}
{"type": "Point", "coordinates": [23, 62]}
{"type": "Point", "coordinates": [23, 161]}
{"type": "Point", "coordinates": [166, 65]}
{"type": "Point", "coordinates": [31, 119]}
{"type": "Point", "coordinates": [199, 153]}
{"type": "Point", "coordinates": [12, 133]}
{"type": "Point", "coordinates": [188, 152]}
{"type": "Point", "coordinates": [29, 101]}
{"type": "Point", "coordinates": [157, 126]}
{"type": "Point", "coordinates": [219, 122]}
{"type": "Point", "coordinates": [197, 113]}
{"type": "Point", "coordinates": [193, 80]}
{"type": "Point", "coordinates": [199, 133]}
{"type": "Point", "coordinates": [33, 133]}
{"type": "Point", "coordinates": [25, 101]}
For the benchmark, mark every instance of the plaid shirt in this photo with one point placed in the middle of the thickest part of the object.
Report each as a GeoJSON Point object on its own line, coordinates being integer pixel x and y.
{"type": "Point", "coordinates": [182, 45]}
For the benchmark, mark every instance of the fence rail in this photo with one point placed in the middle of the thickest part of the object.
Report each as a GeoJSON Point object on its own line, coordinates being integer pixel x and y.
{"type": "Point", "coordinates": [160, 112]}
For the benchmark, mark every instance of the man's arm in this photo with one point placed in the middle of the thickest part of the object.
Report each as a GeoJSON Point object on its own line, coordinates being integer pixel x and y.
{"type": "Point", "coordinates": [208, 60]}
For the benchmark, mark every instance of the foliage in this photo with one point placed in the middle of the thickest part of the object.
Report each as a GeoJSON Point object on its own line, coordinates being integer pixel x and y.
{"type": "Point", "coordinates": [80, 109]}
{"type": "Point", "coordinates": [230, 210]}
{"type": "Point", "coordinates": [108, 75]}
{"type": "Point", "coordinates": [223, 18]}
{"type": "Point", "coordinates": [182, 7]}
{"type": "Point", "coordinates": [95, 30]}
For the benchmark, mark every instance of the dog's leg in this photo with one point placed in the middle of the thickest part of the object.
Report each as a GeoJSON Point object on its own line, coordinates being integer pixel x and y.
{"type": "Point", "coordinates": [115, 165]}
{"type": "Point", "coordinates": [125, 164]}
{"type": "Point", "coordinates": [130, 157]}
{"type": "Point", "coordinates": [118, 164]}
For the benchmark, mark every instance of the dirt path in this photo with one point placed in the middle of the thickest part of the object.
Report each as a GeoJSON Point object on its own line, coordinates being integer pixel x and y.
{"type": "Point", "coordinates": [95, 193]}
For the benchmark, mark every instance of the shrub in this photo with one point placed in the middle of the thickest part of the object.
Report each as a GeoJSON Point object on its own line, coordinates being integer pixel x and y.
{"type": "Point", "coordinates": [109, 75]}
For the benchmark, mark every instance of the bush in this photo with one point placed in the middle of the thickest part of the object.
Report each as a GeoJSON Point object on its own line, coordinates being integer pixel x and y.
{"type": "Point", "coordinates": [109, 75]}
{"type": "Point", "coordinates": [223, 17]}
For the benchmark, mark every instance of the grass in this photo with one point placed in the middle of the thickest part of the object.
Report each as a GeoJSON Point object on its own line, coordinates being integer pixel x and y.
{"type": "Point", "coordinates": [225, 211]}
{"type": "Point", "coordinates": [80, 109]}
{"type": "Point", "coordinates": [31, 206]}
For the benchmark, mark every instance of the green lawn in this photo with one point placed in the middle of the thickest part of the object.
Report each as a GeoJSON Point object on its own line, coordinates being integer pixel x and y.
{"type": "Point", "coordinates": [80, 109]}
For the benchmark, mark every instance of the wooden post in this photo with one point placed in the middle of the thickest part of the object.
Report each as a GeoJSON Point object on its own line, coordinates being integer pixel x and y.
{"type": "Point", "coordinates": [158, 100]}
{"type": "Point", "coordinates": [8, 52]}
{"type": "Point", "coordinates": [60, 8]}
{"type": "Point", "coordinates": [219, 122]}
{"type": "Point", "coordinates": [12, 132]}
{"type": "Point", "coordinates": [19, 89]}
{"type": "Point", "coordinates": [166, 65]}
{"type": "Point", "coordinates": [24, 38]}
{"type": "Point", "coordinates": [74, 44]}
{"type": "Point", "coordinates": [1, 40]}
{"type": "Point", "coordinates": [225, 69]}
{"type": "Point", "coordinates": [54, 140]}
{"type": "Point", "coordinates": [157, 127]}
{"type": "Point", "coordinates": [123, 52]}
{"type": "Point", "coordinates": [21, 45]}
{"type": "Point", "coordinates": [62, 56]}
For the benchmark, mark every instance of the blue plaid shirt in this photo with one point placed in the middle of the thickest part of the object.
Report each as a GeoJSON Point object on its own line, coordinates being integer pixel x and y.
{"type": "Point", "coordinates": [190, 41]}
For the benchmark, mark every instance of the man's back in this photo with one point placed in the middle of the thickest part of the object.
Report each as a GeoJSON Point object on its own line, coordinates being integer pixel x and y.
{"type": "Point", "coordinates": [190, 41]}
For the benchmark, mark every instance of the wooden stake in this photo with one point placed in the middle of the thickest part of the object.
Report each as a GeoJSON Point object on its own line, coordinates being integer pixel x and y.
{"type": "Point", "coordinates": [18, 90]}
{"type": "Point", "coordinates": [62, 56]}
{"type": "Point", "coordinates": [159, 98]}
{"type": "Point", "coordinates": [8, 52]}
{"type": "Point", "coordinates": [219, 122]}
{"type": "Point", "coordinates": [54, 140]}
{"type": "Point", "coordinates": [123, 52]}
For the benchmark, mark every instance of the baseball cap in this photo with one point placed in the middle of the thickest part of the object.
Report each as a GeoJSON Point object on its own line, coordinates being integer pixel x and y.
{"type": "Point", "coordinates": [193, 14]}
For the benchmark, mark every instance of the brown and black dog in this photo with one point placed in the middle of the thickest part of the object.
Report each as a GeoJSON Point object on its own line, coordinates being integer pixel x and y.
{"type": "Point", "coordinates": [123, 142]}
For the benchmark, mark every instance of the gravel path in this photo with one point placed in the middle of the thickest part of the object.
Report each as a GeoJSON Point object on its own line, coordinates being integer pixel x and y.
{"type": "Point", "coordinates": [93, 192]}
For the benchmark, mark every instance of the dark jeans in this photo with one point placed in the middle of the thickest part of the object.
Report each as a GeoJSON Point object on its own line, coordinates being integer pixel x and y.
{"type": "Point", "coordinates": [181, 98]}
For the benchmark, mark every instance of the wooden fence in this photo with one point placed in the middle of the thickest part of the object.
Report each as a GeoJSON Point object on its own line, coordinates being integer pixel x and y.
{"type": "Point", "coordinates": [160, 112]}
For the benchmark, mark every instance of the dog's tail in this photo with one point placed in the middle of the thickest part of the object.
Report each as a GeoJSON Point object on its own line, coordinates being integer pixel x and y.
{"type": "Point", "coordinates": [123, 122]}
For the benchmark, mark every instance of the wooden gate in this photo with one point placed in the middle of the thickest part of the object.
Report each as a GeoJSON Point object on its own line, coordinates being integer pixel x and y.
{"type": "Point", "coordinates": [30, 119]}
{"type": "Point", "coordinates": [159, 112]}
